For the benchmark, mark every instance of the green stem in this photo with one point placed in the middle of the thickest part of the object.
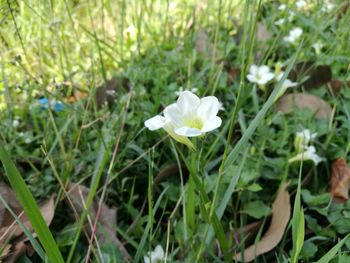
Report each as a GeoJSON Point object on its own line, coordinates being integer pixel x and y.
{"type": "Point", "coordinates": [191, 195]}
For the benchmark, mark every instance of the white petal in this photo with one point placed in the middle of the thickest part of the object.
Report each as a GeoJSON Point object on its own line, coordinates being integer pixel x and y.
{"type": "Point", "coordinates": [211, 124]}
{"type": "Point", "coordinates": [146, 259]}
{"type": "Point", "coordinates": [264, 70]}
{"type": "Point", "coordinates": [158, 252]}
{"type": "Point", "coordinates": [208, 107]}
{"type": "Point", "coordinates": [155, 123]}
{"type": "Point", "coordinates": [174, 114]}
{"type": "Point", "coordinates": [289, 84]}
{"type": "Point", "coordinates": [187, 102]}
{"type": "Point", "coordinates": [267, 77]}
{"type": "Point", "coordinates": [188, 132]}
{"type": "Point", "coordinates": [253, 69]}
{"type": "Point", "coordinates": [252, 78]}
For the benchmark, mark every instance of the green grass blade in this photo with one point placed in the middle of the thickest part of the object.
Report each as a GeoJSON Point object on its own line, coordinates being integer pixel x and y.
{"type": "Point", "coordinates": [233, 155]}
{"type": "Point", "coordinates": [331, 253]}
{"type": "Point", "coordinates": [30, 208]}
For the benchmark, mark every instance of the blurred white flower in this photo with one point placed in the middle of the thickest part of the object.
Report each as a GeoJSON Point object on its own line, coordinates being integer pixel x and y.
{"type": "Point", "coordinates": [155, 256]}
{"type": "Point", "coordinates": [285, 85]}
{"type": "Point", "coordinates": [282, 7]}
{"type": "Point", "coordinates": [190, 116]}
{"type": "Point", "coordinates": [301, 4]}
{"type": "Point", "coordinates": [181, 89]}
{"type": "Point", "coordinates": [294, 35]}
{"type": "Point", "coordinates": [280, 22]}
{"type": "Point", "coordinates": [309, 153]}
{"type": "Point", "coordinates": [318, 47]}
{"type": "Point", "coordinates": [27, 140]}
{"type": "Point", "coordinates": [327, 6]}
{"type": "Point", "coordinates": [15, 123]}
{"type": "Point", "coordinates": [291, 16]}
{"type": "Point", "coordinates": [302, 139]}
{"type": "Point", "coordinates": [260, 75]}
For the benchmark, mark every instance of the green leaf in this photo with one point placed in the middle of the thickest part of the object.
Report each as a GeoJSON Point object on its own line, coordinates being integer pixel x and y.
{"type": "Point", "coordinates": [257, 209]}
{"type": "Point", "coordinates": [254, 188]}
{"type": "Point", "coordinates": [30, 208]}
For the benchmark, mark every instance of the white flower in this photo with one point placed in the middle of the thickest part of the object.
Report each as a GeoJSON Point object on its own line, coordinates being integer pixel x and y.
{"type": "Point", "coordinates": [294, 35]}
{"type": "Point", "coordinates": [301, 4]}
{"type": "Point", "coordinates": [286, 83]}
{"type": "Point", "coordinates": [309, 153]}
{"type": "Point", "coordinates": [327, 6]}
{"type": "Point", "coordinates": [15, 123]}
{"type": "Point", "coordinates": [190, 116]}
{"type": "Point", "coordinates": [282, 7]}
{"type": "Point", "coordinates": [156, 256]}
{"type": "Point", "coordinates": [181, 89]}
{"type": "Point", "coordinates": [318, 47]}
{"type": "Point", "coordinates": [260, 75]}
{"type": "Point", "coordinates": [302, 139]}
{"type": "Point", "coordinates": [291, 16]}
{"type": "Point", "coordinates": [280, 22]}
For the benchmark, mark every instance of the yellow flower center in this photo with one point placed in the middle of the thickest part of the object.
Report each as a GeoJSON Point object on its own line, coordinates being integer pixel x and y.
{"type": "Point", "coordinates": [194, 123]}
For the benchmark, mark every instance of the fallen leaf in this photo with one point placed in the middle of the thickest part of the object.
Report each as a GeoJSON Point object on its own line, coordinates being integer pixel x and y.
{"type": "Point", "coordinates": [10, 230]}
{"type": "Point", "coordinates": [16, 251]}
{"type": "Point", "coordinates": [105, 231]}
{"type": "Point", "coordinates": [337, 85]}
{"type": "Point", "coordinates": [232, 73]}
{"type": "Point", "coordinates": [319, 107]}
{"type": "Point", "coordinates": [340, 180]}
{"type": "Point", "coordinates": [247, 233]}
{"type": "Point", "coordinates": [317, 75]}
{"type": "Point", "coordinates": [203, 43]}
{"type": "Point", "coordinates": [77, 95]}
{"type": "Point", "coordinates": [262, 33]}
{"type": "Point", "coordinates": [106, 93]}
{"type": "Point", "coordinates": [280, 218]}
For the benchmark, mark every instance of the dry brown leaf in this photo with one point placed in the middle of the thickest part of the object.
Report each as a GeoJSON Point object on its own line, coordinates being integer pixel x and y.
{"type": "Point", "coordinates": [337, 85]}
{"type": "Point", "coordinates": [12, 231]}
{"type": "Point", "coordinates": [247, 233]}
{"type": "Point", "coordinates": [340, 181]}
{"type": "Point", "coordinates": [107, 93]}
{"type": "Point", "coordinates": [317, 75]}
{"type": "Point", "coordinates": [106, 228]}
{"type": "Point", "coordinates": [262, 33]}
{"type": "Point", "coordinates": [319, 107]}
{"type": "Point", "coordinates": [280, 218]}
{"type": "Point", "coordinates": [203, 43]}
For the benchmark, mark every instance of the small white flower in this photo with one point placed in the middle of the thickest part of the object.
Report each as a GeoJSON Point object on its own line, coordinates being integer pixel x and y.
{"type": "Point", "coordinates": [294, 35]}
{"type": "Point", "coordinates": [282, 7]}
{"type": "Point", "coordinates": [302, 139]}
{"type": "Point", "coordinates": [155, 256]}
{"type": "Point", "coordinates": [280, 22]}
{"type": "Point", "coordinates": [28, 140]}
{"type": "Point", "coordinates": [15, 123]}
{"type": "Point", "coordinates": [190, 116]}
{"type": "Point", "coordinates": [291, 16]}
{"type": "Point", "coordinates": [301, 4]}
{"type": "Point", "coordinates": [318, 47]}
{"type": "Point", "coordinates": [286, 83]}
{"type": "Point", "coordinates": [327, 6]}
{"type": "Point", "coordinates": [260, 75]}
{"type": "Point", "coordinates": [309, 153]}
